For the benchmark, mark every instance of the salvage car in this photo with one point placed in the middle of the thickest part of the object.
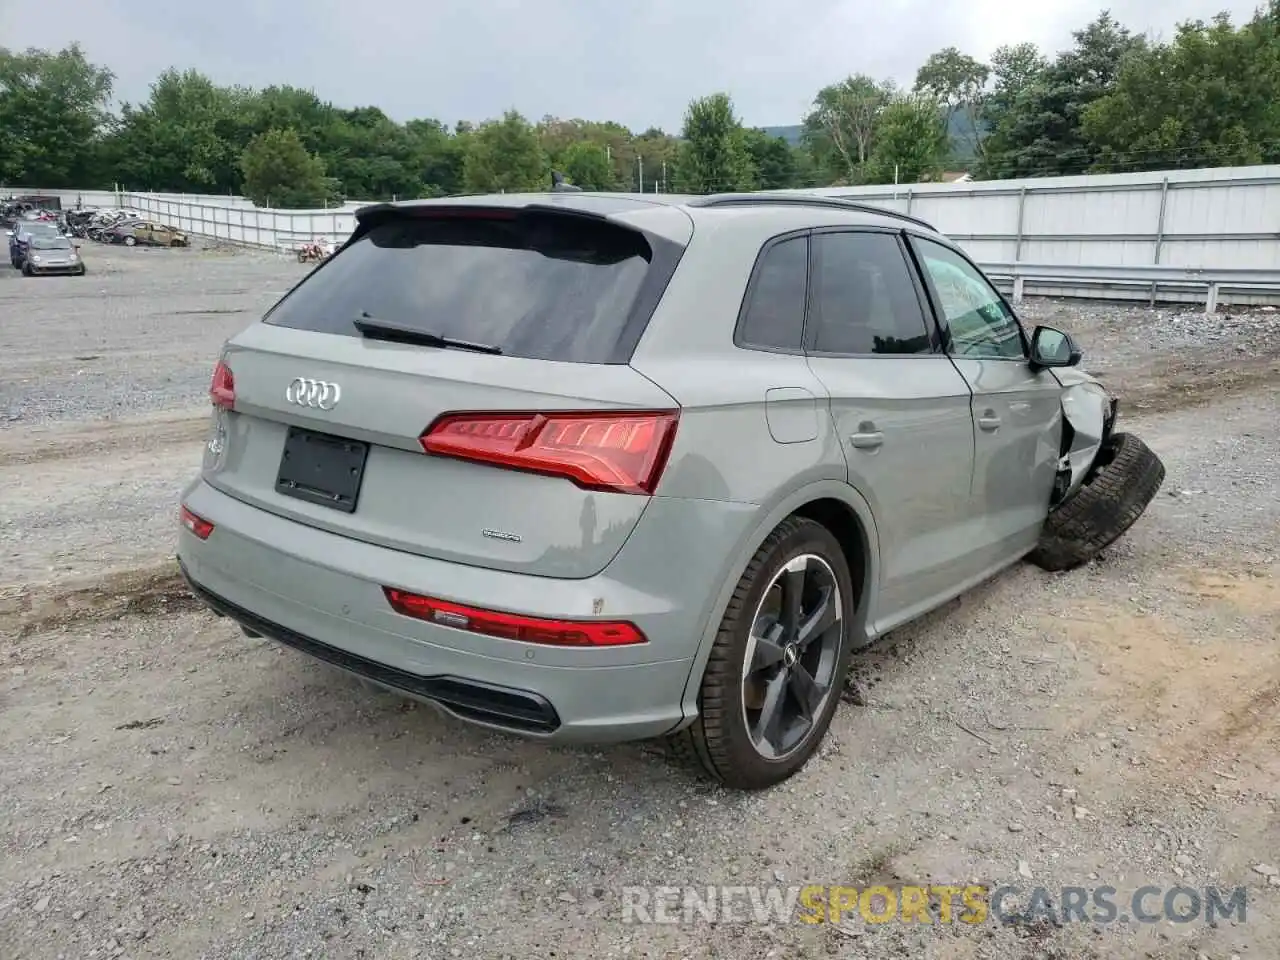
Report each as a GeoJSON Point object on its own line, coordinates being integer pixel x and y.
{"type": "Point", "coordinates": [593, 467]}
{"type": "Point", "coordinates": [50, 255]}
{"type": "Point", "coordinates": [20, 239]}
{"type": "Point", "coordinates": [157, 235]}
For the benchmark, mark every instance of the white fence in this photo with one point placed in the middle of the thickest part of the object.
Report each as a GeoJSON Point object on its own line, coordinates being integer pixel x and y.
{"type": "Point", "coordinates": [1221, 218]}
{"type": "Point", "coordinates": [70, 199]}
{"type": "Point", "coordinates": [244, 223]}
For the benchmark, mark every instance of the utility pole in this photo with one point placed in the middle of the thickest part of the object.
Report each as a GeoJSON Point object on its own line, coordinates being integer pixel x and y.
{"type": "Point", "coordinates": [665, 188]}
{"type": "Point", "coordinates": [640, 171]}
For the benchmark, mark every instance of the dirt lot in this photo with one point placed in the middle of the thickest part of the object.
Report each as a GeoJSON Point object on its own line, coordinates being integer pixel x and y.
{"type": "Point", "coordinates": [170, 788]}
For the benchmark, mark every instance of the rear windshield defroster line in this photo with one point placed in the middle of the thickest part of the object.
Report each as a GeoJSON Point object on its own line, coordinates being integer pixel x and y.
{"type": "Point", "coordinates": [539, 285]}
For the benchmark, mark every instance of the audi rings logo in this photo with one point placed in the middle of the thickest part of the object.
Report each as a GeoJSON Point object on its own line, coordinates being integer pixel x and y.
{"type": "Point", "coordinates": [317, 394]}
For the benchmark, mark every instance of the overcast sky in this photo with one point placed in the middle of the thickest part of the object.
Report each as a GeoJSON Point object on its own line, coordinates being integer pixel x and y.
{"type": "Point", "coordinates": [637, 63]}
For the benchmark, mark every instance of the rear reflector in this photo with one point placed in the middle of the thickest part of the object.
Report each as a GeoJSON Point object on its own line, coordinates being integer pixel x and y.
{"type": "Point", "coordinates": [197, 525]}
{"type": "Point", "coordinates": [556, 633]}
{"type": "Point", "coordinates": [618, 452]}
{"type": "Point", "coordinates": [222, 391]}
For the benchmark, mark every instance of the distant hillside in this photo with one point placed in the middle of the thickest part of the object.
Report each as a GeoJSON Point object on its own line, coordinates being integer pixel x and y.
{"type": "Point", "coordinates": [960, 129]}
{"type": "Point", "coordinates": [790, 134]}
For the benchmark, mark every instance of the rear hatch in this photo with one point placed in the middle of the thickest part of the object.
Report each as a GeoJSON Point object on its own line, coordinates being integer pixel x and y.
{"type": "Point", "coordinates": [454, 383]}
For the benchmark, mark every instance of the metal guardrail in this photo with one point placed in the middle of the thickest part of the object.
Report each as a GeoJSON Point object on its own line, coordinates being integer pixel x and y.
{"type": "Point", "coordinates": [1212, 280]}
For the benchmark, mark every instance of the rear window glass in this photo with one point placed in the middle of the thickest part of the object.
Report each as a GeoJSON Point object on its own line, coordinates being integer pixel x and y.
{"type": "Point", "coordinates": [542, 286]}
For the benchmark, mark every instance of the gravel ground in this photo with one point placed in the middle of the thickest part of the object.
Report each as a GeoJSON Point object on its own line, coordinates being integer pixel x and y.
{"type": "Point", "coordinates": [138, 334]}
{"type": "Point", "coordinates": [103, 400]}
{"type": "Point", "coordinates": [173, 789]}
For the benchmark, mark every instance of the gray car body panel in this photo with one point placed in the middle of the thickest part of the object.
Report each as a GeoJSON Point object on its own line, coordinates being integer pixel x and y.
{"type": "Point", "coordinates": [1086, 404]}
{"type": "Point", "coordinates": [761, 435]}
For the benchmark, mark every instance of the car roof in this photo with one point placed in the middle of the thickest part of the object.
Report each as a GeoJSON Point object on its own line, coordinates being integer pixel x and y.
{"type": "Point", "coordinates": [611, 205]}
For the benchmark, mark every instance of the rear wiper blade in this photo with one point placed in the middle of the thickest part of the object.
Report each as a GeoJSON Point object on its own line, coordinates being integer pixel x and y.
{"type": "Point", "coordinates": [376, 329]}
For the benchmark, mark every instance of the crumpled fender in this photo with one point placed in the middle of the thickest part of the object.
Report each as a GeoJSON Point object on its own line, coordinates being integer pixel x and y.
{"type": "Point", "coordinates": [1087, 406]}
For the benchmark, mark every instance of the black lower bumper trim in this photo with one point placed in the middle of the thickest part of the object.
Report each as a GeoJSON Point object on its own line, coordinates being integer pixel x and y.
{"type": "Point", "coordinates": [516, 710]}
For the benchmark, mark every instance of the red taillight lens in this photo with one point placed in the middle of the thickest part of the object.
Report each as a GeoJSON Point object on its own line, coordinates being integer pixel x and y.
{"type": "Point", "coordinates": [197, 525]}
{"type": "Point", "coordinates": [557, 633]}
{"type": "Point", "coordinates": [222, 391]}
{"type": "Point", "coordinates": [619, 452]}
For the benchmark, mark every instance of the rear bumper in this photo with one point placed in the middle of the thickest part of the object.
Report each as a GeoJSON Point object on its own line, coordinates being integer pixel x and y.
{"type": "Point", "coordinates": [514, 709]}
{"type": "Point", "coordinates": [322, 593]}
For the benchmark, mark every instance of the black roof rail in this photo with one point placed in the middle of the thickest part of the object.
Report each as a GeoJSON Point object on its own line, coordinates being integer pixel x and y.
{"type": "Point", "coordinates": [805, 199]}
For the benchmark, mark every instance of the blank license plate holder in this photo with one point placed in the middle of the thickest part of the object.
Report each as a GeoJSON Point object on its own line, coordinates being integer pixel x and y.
{"type": "Point", "coordinates": [322, 469]}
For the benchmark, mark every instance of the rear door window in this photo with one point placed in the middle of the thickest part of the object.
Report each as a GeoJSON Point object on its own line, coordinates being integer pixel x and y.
{"type": "Point", "coordinates": [538, 285]}
{"type": "Point", "coordinates": [864, 300]}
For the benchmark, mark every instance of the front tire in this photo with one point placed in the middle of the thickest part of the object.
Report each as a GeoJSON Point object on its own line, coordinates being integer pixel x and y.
{"type": "Point", "coordinates": [130, 241]}
{"type": "Point", "coordinates": [1100, 512]}
{"type": "Point", "coordinates": [773, 681]}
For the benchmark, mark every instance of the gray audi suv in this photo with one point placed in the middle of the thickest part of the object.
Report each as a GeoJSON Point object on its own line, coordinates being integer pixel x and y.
{"type": "Point", "coordinates": [597, 467]}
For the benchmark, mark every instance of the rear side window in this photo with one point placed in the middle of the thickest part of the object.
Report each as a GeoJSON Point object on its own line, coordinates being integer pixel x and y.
{"type": "Point", "coordinates": [864, 299]}
{"type": "Point", "coordinates": [535, 285]}
{"type": "Point", "coordinates": [774, 315]}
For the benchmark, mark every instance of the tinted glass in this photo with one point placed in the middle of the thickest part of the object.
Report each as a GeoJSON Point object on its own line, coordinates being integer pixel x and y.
{"type": "Point", "coordinates": [775, 309]}
{"type": "Point", "coordinates": [542, 286]}
{"type": "Point", "coordinates": [50, 243]}
{"type": "Point", "coordinates": [979, 323]}
{"type": "Point", "coordinates": [864, 300]}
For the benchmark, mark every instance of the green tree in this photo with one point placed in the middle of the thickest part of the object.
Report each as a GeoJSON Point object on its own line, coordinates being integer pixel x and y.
{"type": "Point", "coordinates": [505, 155]}
{"type": "Point", "coordinates": [285, 108]}
{"type": "Point", "coordinates": [713, 157]}
{"type": "Point", "coordinates": [773, 159]}
{"type": "Point", "coordinates": [1210, 97]}
{"type": "Point", "coordinates": [659, 158]}
{"type": "Point", "coordinates": [959, 83]}
{"type": "Point", "coordinates": [438, 157]}
{"type": "Point", "coordinates": [371, 156]}
{"type": "Point", "coordinates": [840, 127]}
{"type": "Point", "coordinates": [53, 107]}
{"type": "Point", "coordinates": [187, 137]}
{"type": "Point", "coordinates": [279, 172]}
{"type": "Point", "coordinates": [587, 165]}
{"type": "Point", "coordinates": [1039, 133]}
{"type": "Point", "coordinates": [1015, 70]}
{"type": "Point", "coordinates": [911, 140]}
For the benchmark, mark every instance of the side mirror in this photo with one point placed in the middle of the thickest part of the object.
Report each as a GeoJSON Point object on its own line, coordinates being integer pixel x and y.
{"type": "Point", "coordinates": [1053, 348]}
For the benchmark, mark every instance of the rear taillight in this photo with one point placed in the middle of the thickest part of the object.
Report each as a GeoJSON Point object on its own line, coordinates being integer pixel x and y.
{"type": "Point", "coordinates": [197, 525]}
{"type": "Point", "coordinates": [556, 633]}
{"type": "Point", "coordinates": [619, 452]}
{"type": "Point", "coordinates": [222, 391]}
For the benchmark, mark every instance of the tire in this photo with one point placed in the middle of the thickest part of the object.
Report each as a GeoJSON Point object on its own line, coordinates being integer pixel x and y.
{"type": "Point", "coordinates": [130, 241]}
{"type": "Point", "coordinates": [720, 741]}
{"type": "Point", "coordinates": [26, 270]}
{"type": "Point", "coordinates": [1113, 497]}
{"type": "Point", "coordinates": [82, 271]}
